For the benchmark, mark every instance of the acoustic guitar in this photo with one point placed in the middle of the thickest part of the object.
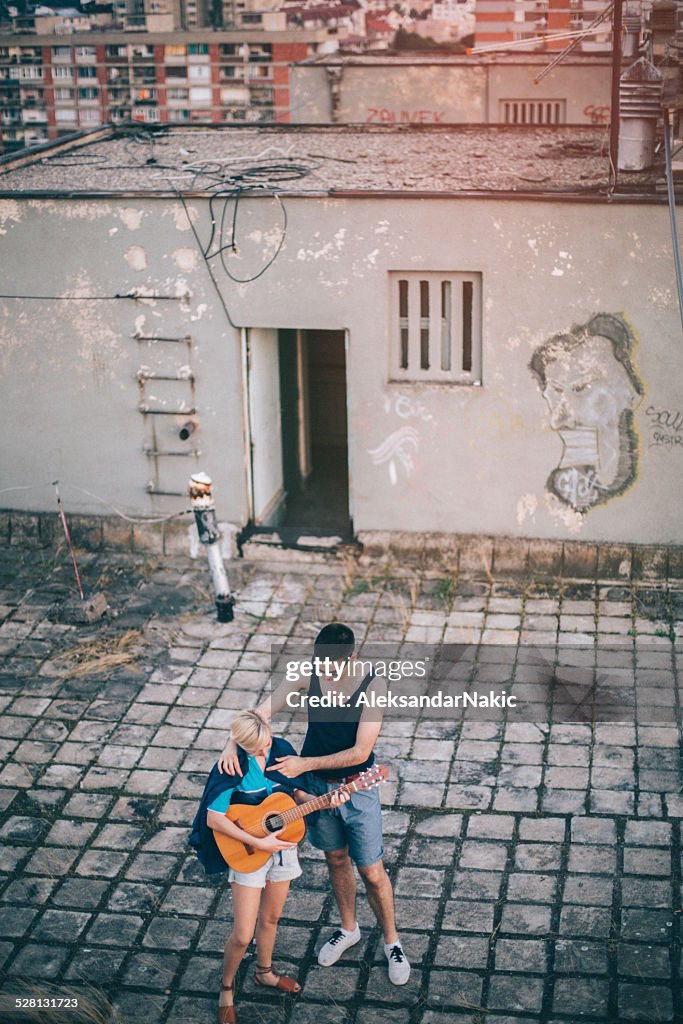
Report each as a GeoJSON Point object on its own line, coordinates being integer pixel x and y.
{"type": "Point", "coordinates": [279, 811]}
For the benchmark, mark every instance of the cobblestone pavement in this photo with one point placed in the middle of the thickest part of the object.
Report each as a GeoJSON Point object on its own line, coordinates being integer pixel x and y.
{"type": "Point", "coordinates": [537, 869]}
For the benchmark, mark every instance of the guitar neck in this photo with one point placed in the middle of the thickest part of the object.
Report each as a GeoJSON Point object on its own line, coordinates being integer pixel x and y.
{"type": "Point", "coordinates": [318, 803]}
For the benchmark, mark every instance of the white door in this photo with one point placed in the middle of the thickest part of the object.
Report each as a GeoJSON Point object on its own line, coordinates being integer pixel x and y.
{"type": "Point", "coordinates": [265, 422]}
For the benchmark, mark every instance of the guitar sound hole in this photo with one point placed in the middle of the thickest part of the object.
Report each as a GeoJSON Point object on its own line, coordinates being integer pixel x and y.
{"type": "Point", "coordinates": [274, 823]}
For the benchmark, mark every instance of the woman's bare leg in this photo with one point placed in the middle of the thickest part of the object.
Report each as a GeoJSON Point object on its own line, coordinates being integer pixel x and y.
{"type": "Point", "coordinates": [245, 904]}
{"type": "Point", "coordinates": [270, 911]}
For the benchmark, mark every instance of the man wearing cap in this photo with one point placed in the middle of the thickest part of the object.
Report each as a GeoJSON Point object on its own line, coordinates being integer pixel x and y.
{"type": "Point", "coordinates": [339, 746]}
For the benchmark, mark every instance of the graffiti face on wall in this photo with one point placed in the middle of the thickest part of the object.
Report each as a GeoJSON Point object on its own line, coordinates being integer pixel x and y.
{"type": "Point", "coordinates": [591, 387]}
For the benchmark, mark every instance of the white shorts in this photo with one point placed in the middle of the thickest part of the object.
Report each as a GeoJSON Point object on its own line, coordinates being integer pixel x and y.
{"type": "Point", "coordinates": [280, 867]}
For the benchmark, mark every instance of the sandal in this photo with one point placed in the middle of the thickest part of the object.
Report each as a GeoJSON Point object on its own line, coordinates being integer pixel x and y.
{"type": "Point", "coordinates": [284, 983]}
{"type": "Point", "coordinates": [226, 1014]}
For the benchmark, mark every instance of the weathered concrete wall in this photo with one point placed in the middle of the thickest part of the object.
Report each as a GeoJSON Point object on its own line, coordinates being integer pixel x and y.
{"type": "Point", "coordinates": [498, 459]}
{"type": "Point", "coordinates": [72, 394]}
{"type": "Point", "coordinates": [444, 93]}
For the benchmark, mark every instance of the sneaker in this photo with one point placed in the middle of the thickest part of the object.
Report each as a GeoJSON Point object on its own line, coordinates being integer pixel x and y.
{"type": "Point", "coordinates": [336, 944]}
{"type": "Point", "coordinates": [399, 967]}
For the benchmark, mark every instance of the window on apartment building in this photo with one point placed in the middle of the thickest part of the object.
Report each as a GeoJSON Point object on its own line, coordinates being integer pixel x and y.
{"type": "Point", "coordinates": [62, 73]}
{"type": "Point", "coordinates": [533, 111]}
{"type": "Point", "coordinates": [197, 49]}
{"type": "Point", "coordinates": [199, 72]}
{"type": "Point", "coordinates": [65, 114]}
{"type": "Point", "coordinates": [117, 51]}
{"type": "Point", "coordinates": [88, 94]}
{"type": "Point", "coordinates": [179, 72]}
{"type": "Point", "coordinates": [89, 117]}
{"type": "Point", "coordinates": [61, 52]}
{"type": "Point", "coordinates": [64, 95]}
{"type": "Point", "coordinates": [176, 94]}
{"type": "Point", "coordinates": [86, 52]}
{"type": "Point", "coordinates": [200, 95]}
{"type": "Point", "coordinates": [179, 115]}
{"type": "Point", "coordinates": [436, 327]}
{"type": "Point", "coordinates": [87, 72]}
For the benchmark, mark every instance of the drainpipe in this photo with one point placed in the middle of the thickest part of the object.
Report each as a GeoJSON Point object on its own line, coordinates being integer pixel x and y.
{"type": "Point", "coordinates": [204, 508]}
{"type": "Point", "coordinates": [334, 80]}
{"type": "Point", "coordinates": [617, 21]}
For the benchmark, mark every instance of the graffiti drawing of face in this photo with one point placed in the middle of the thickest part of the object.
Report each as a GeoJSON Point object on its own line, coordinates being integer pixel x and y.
{"type": "Point", "coordinates": [591, 390]}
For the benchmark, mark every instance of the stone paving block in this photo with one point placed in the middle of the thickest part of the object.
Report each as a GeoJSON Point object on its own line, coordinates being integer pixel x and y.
{"type": "Point", "coordinates": [585, 922]}
{"type": "Point", "coordinates": [464, 951]}
{"type": "Point", "coordinates": [483, 855]}
{"type": "Point", "coordinates": [96, 967]}
{"type": "Point", "coordinates": [415, 913]}
{"type": "Point", "coordinates": [517, 994]}
{"type": "Point", "coordinates": [592, 859]}
{"type": "Point", "coordinates": [173, 933]}
{"type": "Point", "coordinates": [51, 861]}
{"type": "Point", "coordinates": [593, 830]}
{"type": "Point", "coordinates": [80, 892]}
{"type": "Point", "coordinates": [15, 921]}
{"type": "Point", "coordinates": [640, 961]}
{"type": "Point", "coordinates": [538, 856]}
{"type": "Point", "coordinates": [580, 957]}
{"type": "Point", "coordinates": [114, 929]}
{"type": "Point", "coordinates": [581, 997]}
{"type": "Point", "coordinates": [34, 891]}
{"type": "Point", "coordinates": [119, 756]}
{"type": "Point", "coordinates": [101, 864]}
{"type": "Point", "coordinates": [438, 825]}
{"type": "Point", "coordinates": [152, 970]}
{"type": "Point", "coordinates": [427, 849]}
{"type": "Point", "coordinates": [151, 867]}
{"type": "Point", "coordinates": [21, 829]}
{"type": "Point", "coordinates": [525, 888]}
{"type": "Point", "coordinates": [652, 893]}
{"type": "Point", "coordinates": [472, 916]}
{"type": "Point", "coordinates": [490, 826]}
{"type": "Point", "coordinates": [648, 833]}
{"type": "Point", "coordinates": [134, 897]}
{"type": "Point", "coordinates": [525, 919]}
{"type": "Point", "coordinates": [454, 989]}
{"type": "Point", "coordinates": [420, 882]}
{"type": "Point", "coordinates": [645, 1002]}
{"type": "Point", "coordinates": [647, 862]}
{"type": "Point", "coordinates": [147, 1009]}
{"type": "Point", "coordinates": [60, 926]}
{"type": "Point", "coordinates": [39, 961]}
{"type": "Point", "coordinates": [185, 899]}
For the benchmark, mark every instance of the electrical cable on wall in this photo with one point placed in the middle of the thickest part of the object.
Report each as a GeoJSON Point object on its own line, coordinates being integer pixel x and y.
{"type": "Point", "coordinates": [137, 520]}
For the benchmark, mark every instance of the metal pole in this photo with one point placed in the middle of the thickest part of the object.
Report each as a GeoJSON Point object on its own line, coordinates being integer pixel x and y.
{"type": "Point", "coordinates": [204, 508]}
{"type": "Point", "coordinates": [617, 22]}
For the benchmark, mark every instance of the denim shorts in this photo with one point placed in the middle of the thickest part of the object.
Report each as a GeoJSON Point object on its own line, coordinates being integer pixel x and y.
{"type": "Point", "coordinates": [356, 824]}
{"type": "Point", "coordinates": [282, 866]}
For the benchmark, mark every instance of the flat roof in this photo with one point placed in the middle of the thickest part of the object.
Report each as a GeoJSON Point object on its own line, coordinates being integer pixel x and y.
{"type": "Point", "coordinates": [393, 59]}
{"type": "Point", "coordinates": [300, 159]}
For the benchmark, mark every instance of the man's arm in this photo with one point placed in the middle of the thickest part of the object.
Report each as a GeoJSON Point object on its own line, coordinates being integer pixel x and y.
{"type": "Point", "coordinates": [368, 730]}
{"type": "Point", "coordinates": [228, 760]}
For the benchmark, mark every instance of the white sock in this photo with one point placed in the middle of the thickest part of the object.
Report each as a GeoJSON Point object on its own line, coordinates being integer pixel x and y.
{"type": "Point", "coordinates": [388, 946]}
{"type": "Point", "coordinates": [345, 931]}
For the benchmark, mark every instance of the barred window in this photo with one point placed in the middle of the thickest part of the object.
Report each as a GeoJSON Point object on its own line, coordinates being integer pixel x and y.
{"type": "Point", "coordinates": [436, 327]}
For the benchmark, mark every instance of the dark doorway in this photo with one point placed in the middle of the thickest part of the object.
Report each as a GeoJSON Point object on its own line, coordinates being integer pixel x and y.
{"type": "Point", "coordinates": [314, 431]}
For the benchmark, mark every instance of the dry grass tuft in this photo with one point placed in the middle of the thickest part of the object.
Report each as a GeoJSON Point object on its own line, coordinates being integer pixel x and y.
{"type": "Point", "coordinates": [95, 656]}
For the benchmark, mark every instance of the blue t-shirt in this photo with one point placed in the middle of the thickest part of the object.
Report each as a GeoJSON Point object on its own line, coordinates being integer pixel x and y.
{"type": "Point", "coordinates": [253, 782]}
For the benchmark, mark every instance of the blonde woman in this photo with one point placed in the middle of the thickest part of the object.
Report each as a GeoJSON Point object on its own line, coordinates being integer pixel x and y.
{"type": "Point", "coordinates": [258, 897]}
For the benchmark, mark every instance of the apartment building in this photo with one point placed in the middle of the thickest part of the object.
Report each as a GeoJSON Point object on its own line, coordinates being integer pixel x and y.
{"type": "Point", "coordinates": [543, 24]}
{"type": "Point", "coordinates": [52, 85]}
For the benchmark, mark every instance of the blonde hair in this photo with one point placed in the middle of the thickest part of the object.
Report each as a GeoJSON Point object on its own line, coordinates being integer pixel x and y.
{"type": "Point", "coordinates": [250, 731]}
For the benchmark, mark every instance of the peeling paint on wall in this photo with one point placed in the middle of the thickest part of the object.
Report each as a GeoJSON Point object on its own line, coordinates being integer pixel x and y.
{"type": "Point", "coordinates": [131, 218]}
{"type": "Point", "coordinates": [136, 257]}
{"type": "Point", "coordinates": [591, 388]}
{"type": "Point", "coordinates": [9, 210]}
{"type": "Point", "coordinates": [183, 221]}
{"type": "Point", "coordinates": [185, 259]}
